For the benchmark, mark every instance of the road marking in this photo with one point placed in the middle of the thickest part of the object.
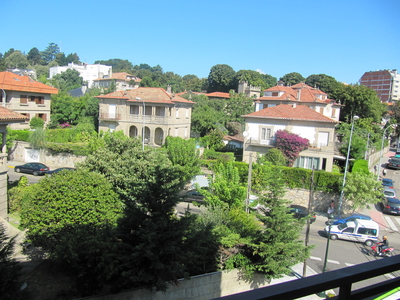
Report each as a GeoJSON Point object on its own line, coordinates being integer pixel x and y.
{"type": "Point", "coordinates": [349, 264]}
{"type": "Point", "coordinates": [390, 276]}
{"type": "Point", "coordinates": [315, 258]}
{"type": "Point", "coordinates": [390, 223]}
{"type": "Point", "coordinates": [397, 220]}
{"type": "Point", "coordinates": [333, 262]}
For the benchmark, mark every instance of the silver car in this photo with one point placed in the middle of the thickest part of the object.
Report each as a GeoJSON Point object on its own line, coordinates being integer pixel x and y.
{"type": "Point", "coordinates": [389, 193]}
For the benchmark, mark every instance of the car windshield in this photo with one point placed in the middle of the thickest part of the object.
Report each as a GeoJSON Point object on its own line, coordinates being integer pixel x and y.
{"type": "Point", "coordinates": [342, 226]}
{"type": "Point", "coordinates": [389, 193]}
{"type": "Point", "coordinates": [345, 216]}
{"type": "Point", "coordinates": [395, 203]}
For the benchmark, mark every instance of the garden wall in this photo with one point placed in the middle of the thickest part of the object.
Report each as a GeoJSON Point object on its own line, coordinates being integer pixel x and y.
{"type": "Point", "coordinates": [202, 287]}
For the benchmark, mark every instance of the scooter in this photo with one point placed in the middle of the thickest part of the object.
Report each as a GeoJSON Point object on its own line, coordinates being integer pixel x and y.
{"type": "Point", "coordinates": [385, 252]}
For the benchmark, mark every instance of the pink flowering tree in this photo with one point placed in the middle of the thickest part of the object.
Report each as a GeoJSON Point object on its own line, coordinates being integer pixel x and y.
{"type": "Point", "coordinates": [290, 144]}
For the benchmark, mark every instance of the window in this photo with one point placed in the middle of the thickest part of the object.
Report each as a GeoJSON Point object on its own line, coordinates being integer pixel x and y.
{"type": "Point", "coordinates": [321, 110]}
{"type": "Point", "coordinates": [187, 113]}
{"type": "Point", "coordinates": [271, 105]}
{"type": "Point", "coordinates": [134, 110]}
{"type": "Point", "coordinates": [333, 113]}
{"type": "Point", "coordinates": [23, 99]}
{"type": "Point", "coordinates": [307, 162]}
{"type": "Point", "coordinates": [275, 94]}
{"type": "Point", "coordinates": [176, 112]}
{"type": "Point", "coordinates": [42, 116]}
{"type": "Point", "coordinates": [323, 138]}
{"type": "Point", "coordinates": [349, 230]}
{"type": "Point", "coordinates": [176, 131]}
{"type": "Point", "coordinates": [266, 133]}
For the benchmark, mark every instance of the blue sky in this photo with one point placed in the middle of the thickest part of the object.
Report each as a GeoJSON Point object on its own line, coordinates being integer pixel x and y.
{"type": "Point", "coordinates": [341, 38]}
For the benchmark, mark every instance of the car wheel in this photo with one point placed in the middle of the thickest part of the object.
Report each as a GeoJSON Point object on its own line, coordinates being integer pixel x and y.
{"type": "Point", "coordinates": [368, 243]}
{"type": "Point", "coordinates": [35, 173]}
{"type": "Point", "coordinates": [334, 237]}
{"type": "Point", "coordinates": [17, 170]}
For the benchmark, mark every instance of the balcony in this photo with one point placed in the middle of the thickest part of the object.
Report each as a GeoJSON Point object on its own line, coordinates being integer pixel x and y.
{"type": "Point", "coordinates": [260, 142]}
{"type": "Point", "coordinates": [110, 116]}
{"type": "Point", "coordinates": [150, 119]}
{"type": "Point", "coordinates": [342, 279]}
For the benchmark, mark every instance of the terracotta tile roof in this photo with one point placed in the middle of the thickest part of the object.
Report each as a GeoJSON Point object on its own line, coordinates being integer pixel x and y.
{"type": "Point", "coordinates": [10, 116]}
{"type": "Point", "coordinates": [235, 138]}
{"type": "Point", "coordinates": [121, 76]}
{"type": "Point", "coordinates": [290, 112]}
{"type": "Point", "coordinates": [306, 92]}
{"type": "Point", "coordinates": [146, 94]}
{"type": "Point", "coordinates": [218, 95]}
{"type": "Point", "coordinates": [12, 82]}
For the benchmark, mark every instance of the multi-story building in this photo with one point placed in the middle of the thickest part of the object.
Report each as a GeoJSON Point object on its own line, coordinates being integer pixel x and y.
{"type": "Point", "coordinates": [88, 72]}
{"type": "Point", "coordinates": [153, 110]}
{"type": "Point", "coordinates": [386, 83]}
{"type": "Point", "coordinates": [123, 81]}
{"type": "Point", "coordinates": [25, 96]}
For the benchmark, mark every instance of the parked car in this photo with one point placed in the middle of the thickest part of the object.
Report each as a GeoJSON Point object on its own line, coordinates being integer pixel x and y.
{"type": "Point", "coordinates": [32, 168]}
{"type": "Point", "coordinates": [388, 192]}
{"type": "Point", "coordinates": [342, 219]}
{"type": "Point", "coordinates": [299, 212]}
{"type": "Point", "coordinates": [192, 195]}
{"type": "Point", "coordinates": [386, 182]}
{"type": "Point", "coordinates": [397, 155]}
{"type": "Point", "coordinates": [391, 206]}
{"type": "Point", "coordinates": [394, 163]}
{"type": "Point", "coordinates": [59, 170]}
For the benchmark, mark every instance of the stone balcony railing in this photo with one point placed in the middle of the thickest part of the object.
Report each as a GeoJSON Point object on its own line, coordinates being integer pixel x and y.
{"type": "Point", "coordinates": [110, 116]}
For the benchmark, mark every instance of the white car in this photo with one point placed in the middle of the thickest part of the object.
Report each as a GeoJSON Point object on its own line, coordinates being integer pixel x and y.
{"type": "Point", "coordinates": [362, 231]}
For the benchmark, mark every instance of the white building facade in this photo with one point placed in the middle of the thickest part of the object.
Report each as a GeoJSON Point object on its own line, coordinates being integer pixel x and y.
{"type": "Point", "coordinates": [88, 72]}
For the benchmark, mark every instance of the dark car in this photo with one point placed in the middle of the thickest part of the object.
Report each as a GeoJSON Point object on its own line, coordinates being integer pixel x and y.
{"type": "Point", "coordinates": [342, 219]}
{"type": "Point", "coordinates": [32, 168]}
{"type": "Point", "coordinates": [299, 212]}
{"type": "Point", "coordinates": [391, 206]}
{"type": "Point", "coordinates": [386, 182]}
{"type": "Point", "coordinates": [59, 170]}
{"type": "Point", "coordinates": [192, 195]}
{"type": "Point", "coordinates": [394, 163]}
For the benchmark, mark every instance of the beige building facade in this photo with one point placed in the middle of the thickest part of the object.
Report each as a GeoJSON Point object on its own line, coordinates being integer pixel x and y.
{"type": "Point", "coordinates": [152, 111]}
{"type": "Point", "coordinates": [25, 96]}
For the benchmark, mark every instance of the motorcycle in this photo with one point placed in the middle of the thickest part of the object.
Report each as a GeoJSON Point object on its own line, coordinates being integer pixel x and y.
{"type": "Point", "coordinates": [385, 251]}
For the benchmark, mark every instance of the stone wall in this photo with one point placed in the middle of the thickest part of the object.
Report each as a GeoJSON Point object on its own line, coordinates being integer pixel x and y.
{"type": "Point", "coordinates": [202, 287]}
{"type": "Point", "coordinates": [320, 201]}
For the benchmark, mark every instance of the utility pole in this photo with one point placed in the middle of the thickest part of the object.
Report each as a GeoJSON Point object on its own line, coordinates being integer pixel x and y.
{"type": "Point", "coordinates": [310, 199]}
{"type": "Point", "coordinates": [249, 182]}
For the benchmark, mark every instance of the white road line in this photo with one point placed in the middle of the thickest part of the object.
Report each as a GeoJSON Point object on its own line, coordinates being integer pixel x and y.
{"type": "Point", "coordinates": [397, 220]}
{"type": "Point", "coordinates": [390, 276]}
{"type": "Point", "coordinates": [333, 262]}
{"type": "Point", "coordinates": [390, 223]}
{"type": "Point", "coordinates": [316, 258]}
{"type": "Point", "coordinates": [349, 264]}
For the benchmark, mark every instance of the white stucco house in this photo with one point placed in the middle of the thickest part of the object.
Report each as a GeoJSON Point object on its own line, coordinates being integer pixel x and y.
{"type": "Point", "coordinates": [88, 72]}
{"type": "Point", "coordinates": [262, 125]}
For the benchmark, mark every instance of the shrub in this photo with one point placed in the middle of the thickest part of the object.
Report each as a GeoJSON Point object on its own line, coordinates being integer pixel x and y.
{"type": "Point", "coordinates": [18, 135]}
{"type": "Point", "coordinates": [36, 122]}
{"type": "Point", "coordinates": [290, 144]}
{"type": "Point", "coordinates": [360, 166]}
{"type": "Point", "coordinates": [37, 139]}
{"type": "Point", "coordinates": [18, 193]}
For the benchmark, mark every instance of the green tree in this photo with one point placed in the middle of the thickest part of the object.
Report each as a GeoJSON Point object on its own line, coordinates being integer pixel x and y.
{"type": "Point", "coordinates": [118, 65]}
{"type": "Point", "coordinates": [36, 122]}
{"type": "Point", "coordinates": [72, 58]}
{"type": "Point", "coordinates": [361, 190]}
{"type": "Point", "coordinates": [253, 78]}
{"type": "Point", "coordinates": [37, 138]}
{"type": "Point", "coordinates": [269, 80]}
{"type": "Point", "coordinates": [274, 156]}
{"type": "Point", "coordinates": [292, 78]}
{"type": "Point", "coordinates": [325, 83]}
{"type": "Point", "coordinates": [192, 83]}
{"type": "Point", "coordinates": [204, 116]}
{"type": "Point", "coordinates": [358, 100]}
{"type": "Point", "coordinates": [152, 249]}
{"type": "Point", "coordinates": [34, 57]}
{"type": "Point", "coordinates": [76, 226]}
{"type": "Point", "coordinates": [16, 60]}
{"type": "Point", "coordinates": [68, 80]}
{"type": "Point", "coordinates": [237, 106]}
{"type": "Point", "coordinates": [183, 153]}
{"type": "Point", "coordinates": [9, 268]}
{"type": "Point", "coordinates": [50, 52]}
{"type": "Point", "coordinates": [221, 78]}
{"type": "Point", "coordinates": [61, 59]}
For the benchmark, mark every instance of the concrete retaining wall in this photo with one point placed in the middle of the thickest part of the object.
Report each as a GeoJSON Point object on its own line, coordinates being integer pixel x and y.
{"type": "Point", "coordinates": [202, 287]}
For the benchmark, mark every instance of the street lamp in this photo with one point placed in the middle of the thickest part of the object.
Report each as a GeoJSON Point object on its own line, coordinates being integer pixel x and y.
{"type": "Point", "coordinates": [144, 121]}
{"type": "Point", "coordinates": [347, 164]}
{"type": "Point", "coordinates": [380, 156]}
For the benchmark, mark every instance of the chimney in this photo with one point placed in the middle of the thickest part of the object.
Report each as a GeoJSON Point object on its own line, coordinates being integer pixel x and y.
{"type": "Point", "coordinates": [298, 94]}
{"type": "Point", "coordinates": [169, 88]}
{"type": "Point", "coordinates": [280, 83]}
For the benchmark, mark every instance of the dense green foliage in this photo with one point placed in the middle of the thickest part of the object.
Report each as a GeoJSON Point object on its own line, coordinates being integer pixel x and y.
{"type": "Point", "coordinates": [71, 215]}
{"type": "Point", "coordinates": [360, 166]}
{"type": "Point", "coordinates": [9, 268]}
{"type": "Point", "coordinates": [37, 138]}
{"type": "Point", "coordinates": [274, 156]}
{"type": "Point", "coordinates": [17, 192]}
{"type": "Point", "coordinates": [292, 78]}
{"type": "Point", "coordinates": [325, 83]}
{"type": "Point", "coordinates": [68, 80]}
{"type": "Point", "coordinates": [36, 122]}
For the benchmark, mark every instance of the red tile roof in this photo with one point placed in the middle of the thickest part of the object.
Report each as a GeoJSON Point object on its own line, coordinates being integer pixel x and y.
{"type": "Point", "coordinates": [218, 95]}
{"type": "Point", "coordinates": [12, 82]}
{"type": "Point", "coordinates": [290, 112]}
{"type": "Point", "coordinates": [306, 92]}
{"type": "Point", "coordinates": [146, 94]}
{"type": "Point", "coordinates": [10, 116]}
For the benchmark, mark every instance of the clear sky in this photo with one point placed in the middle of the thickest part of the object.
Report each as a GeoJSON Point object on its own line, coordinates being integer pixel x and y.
{"type": "Point", "coordinates": [340, 38]}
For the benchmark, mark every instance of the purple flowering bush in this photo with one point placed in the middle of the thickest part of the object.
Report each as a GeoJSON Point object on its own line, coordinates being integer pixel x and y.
{"type": "Point", "coordinates": [290, 144]}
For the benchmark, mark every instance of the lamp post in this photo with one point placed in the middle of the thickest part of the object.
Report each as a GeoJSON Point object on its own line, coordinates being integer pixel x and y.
{"type": "Point", "coordinates": [347, 164]}
{"type": "Point", "coordinates": [144, 120]}
{"type": "Point", "coordinates": [380, 156]}
{"type": "Point", "coordinates": [246, 134]}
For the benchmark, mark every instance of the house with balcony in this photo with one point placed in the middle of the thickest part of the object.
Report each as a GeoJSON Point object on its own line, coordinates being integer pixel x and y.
{"type": "Point", "coordinates": [123, 81]}
{"type": "Point", "coordinates": [262, 125]}
{"type": "Point", "coordinates": [154, 111]}
{"type": "Point", "coordinates": [301, 94]}
{"type": "Point", "coordinates": [26, 96]}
